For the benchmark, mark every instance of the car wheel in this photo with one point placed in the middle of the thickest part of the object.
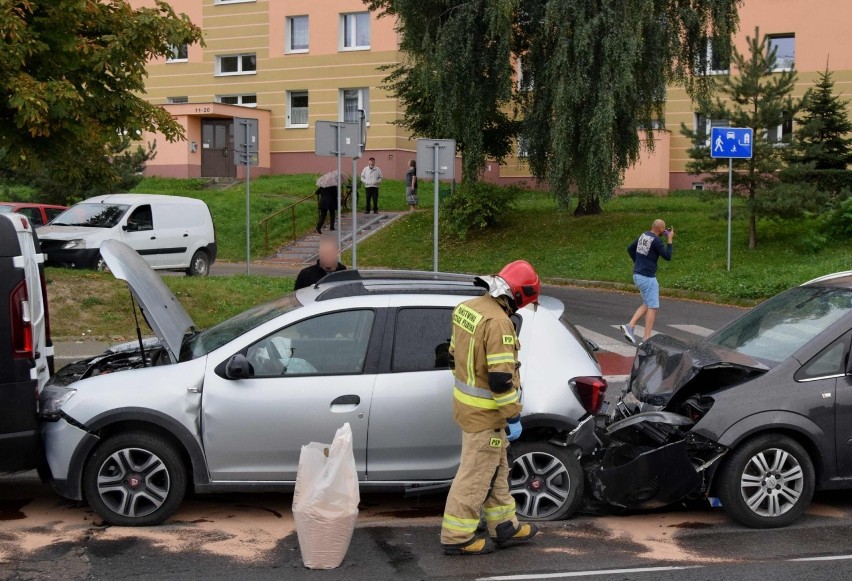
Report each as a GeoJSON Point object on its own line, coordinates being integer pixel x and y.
{"type": "Point", "coordinates": [100, 264]}
{"type": "Point", "coordinates": [135, 479]}
{"type": "Point", "coordinates": [767, 482]}
{"type": "Point", "coordinates": [546, 480]}
{"type": "Point", "coordinates": [200, 264]}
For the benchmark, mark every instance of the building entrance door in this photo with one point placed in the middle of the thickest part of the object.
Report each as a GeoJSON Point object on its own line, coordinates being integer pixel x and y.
{"type": "Point", "coordinates": [217, 148]}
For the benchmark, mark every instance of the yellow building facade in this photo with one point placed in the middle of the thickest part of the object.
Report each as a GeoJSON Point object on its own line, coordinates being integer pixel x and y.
{"type": "Point", "coordinates": [291, 63]}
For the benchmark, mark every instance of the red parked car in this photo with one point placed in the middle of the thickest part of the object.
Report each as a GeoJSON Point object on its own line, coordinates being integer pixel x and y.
{"type": "Point", "coordinates": [38, 214]}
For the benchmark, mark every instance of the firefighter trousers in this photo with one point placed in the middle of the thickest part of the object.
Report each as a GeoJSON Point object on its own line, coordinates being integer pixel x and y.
{"type": "Point", "coordinates": [481, 484]}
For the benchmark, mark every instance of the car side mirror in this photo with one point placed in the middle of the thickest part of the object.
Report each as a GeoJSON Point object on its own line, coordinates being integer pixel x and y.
{"type": "Point", "coordinates": [238, 367]}
{"type": "Point", "coordinates": [130, 227]}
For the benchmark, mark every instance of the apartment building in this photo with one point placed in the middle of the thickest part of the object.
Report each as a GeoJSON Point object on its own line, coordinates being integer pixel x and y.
{"type": "Point", "coordinates": [290, 63]}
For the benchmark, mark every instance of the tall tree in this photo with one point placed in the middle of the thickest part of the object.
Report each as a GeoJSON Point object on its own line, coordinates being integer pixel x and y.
{"type": "Point", "coordinates": [73, 74]}
{"type": "Point", "coordinates": [456, 77]}
{"type": "Point", "coordinates": [599, 70]}
{"type": "Point", "coordinates": [595, 73]}
{"type": "Point", "coordinates": [759, 96]}
{"type": "Point", "coordinates": [822, 140]}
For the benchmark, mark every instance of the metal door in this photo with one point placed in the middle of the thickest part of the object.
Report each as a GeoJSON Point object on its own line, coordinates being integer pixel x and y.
{"type": "Point", "coordinates": [217, 148]}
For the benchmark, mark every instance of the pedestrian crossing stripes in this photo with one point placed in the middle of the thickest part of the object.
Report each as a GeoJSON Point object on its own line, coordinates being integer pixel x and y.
{"type": "Point", "coordinates": [693, 329]}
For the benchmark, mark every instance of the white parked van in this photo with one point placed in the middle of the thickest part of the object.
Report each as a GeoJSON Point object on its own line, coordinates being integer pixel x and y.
{"type": "Point", "coordinates": [26, 351]}
{"type": "Point", "coordinates": [169, 232]}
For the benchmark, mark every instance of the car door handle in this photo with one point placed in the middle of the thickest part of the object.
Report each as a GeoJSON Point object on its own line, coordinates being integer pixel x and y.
{"type": "Point", "coordinates": [345, 404]}
{"type": "Point", "coordinates": [186, 235]}
{"type": "Point", "coordinates": [347, 400]}
{"type": "Point", "coordinates": [153, 237]}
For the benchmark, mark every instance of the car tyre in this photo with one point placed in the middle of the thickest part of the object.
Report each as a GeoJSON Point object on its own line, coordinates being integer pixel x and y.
{"type": "Point", "coordinates": [767, 482]}
{"type": "Point", "coordinates": [199, 265]}
{"type": "Point", "coordinates": [546, 480]}
{"type": "Point", "coordinates": [135, 479]}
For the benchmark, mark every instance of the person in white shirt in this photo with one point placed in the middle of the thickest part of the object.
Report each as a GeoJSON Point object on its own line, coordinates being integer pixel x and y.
{"type": "Point", "coordinates": [371, 177]}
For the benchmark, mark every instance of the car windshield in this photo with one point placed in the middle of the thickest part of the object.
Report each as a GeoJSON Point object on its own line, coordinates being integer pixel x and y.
{"type": "Point", "coordinates": [211, 339]}
{"type": "Point", "coordinates": [91, 215]}
{"type": "Point", "coordinates": [774, 330]}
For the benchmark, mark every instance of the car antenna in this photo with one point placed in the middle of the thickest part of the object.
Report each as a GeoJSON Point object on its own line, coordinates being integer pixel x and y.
{"type": "Point", "coordinates": [138, 331]}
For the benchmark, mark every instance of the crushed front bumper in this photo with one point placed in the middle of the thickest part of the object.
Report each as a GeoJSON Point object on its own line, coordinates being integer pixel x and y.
{"type": "Point", "coordinates": [66, 447]}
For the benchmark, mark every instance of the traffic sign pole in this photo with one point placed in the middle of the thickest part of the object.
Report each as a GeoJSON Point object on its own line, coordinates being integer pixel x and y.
{"type": "Point", "coordinates": [730, 143]}
{"type": "Point", "coordinates": [730, 205]}
{"type": "Point", "coordinates": [248, 204]}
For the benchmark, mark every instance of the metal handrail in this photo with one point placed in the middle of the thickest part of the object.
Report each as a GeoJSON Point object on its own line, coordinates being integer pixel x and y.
{"type": "Point", "coordinates": [292, 209]}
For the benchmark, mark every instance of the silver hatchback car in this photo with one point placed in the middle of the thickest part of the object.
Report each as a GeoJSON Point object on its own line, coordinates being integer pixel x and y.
{"type": "Point", "coordinates": [228, 409]}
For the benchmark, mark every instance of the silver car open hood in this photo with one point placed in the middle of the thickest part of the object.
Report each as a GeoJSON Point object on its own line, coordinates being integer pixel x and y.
{"type": "Point", "coordinates": [164, 314]}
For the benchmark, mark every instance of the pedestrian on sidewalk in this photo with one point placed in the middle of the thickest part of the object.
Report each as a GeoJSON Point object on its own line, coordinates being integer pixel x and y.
{"type": "Point", "coordinates": [371, 177]}
{"type": "Point", "coordinates": [327, 204]}
{"type": "Point", "coordinates": [328, 262]}
{"type": "Point", "coordinates": [645, 251]}
{"type": "Point", "coordinates": [411, 186]}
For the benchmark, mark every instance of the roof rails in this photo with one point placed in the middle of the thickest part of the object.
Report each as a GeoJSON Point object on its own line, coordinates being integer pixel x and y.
{"type": "Point", "coordinates": [394, 275]}
{"type": "Point", "coordinates": [828, 277]}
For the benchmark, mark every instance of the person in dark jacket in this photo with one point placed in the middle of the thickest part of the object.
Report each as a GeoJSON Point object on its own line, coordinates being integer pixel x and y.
{"type": "Point", "coordinates": [645, 251]}
{"type": "Point", "coordinates": [329, 255]}
{"type": "Point", "coordinates": [327, 205]}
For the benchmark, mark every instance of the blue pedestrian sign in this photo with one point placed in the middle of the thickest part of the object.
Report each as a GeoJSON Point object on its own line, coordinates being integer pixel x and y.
{"type": "Point", "coordinates": [731, 142]}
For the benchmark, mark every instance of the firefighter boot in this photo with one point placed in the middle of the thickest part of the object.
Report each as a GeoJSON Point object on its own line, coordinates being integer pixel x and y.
{"type": "Point", "coordinates": [475, 546]}
{"type": "Point", "coordinates": [507, 535]}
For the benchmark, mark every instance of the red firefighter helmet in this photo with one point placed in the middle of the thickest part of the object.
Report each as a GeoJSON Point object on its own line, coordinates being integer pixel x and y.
{"type": "Point", "coordinates": [523, 281]}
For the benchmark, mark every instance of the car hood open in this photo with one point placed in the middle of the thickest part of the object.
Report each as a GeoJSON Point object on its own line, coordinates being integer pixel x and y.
{"type": "Point", "coordinates": [665, 367]}
{"type": "Point", "coordinates": [163, 312]}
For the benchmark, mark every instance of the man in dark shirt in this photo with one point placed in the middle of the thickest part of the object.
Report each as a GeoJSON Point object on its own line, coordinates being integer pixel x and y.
{"type": "Point", "coordinates": [645, 251]}
{"type": "Point", "coordinates": [329, 255]}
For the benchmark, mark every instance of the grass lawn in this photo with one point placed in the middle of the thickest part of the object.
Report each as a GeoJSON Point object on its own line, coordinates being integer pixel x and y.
{"type": "Point", "coordinates": [90, 305]}
{"type": "Point", "coordinates": [268, 195]}
{"type": "Point", "coordinates": [560, 245]}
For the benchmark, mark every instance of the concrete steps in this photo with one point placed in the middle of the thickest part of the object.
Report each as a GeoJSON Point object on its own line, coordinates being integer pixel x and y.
{"type": "Point", "coordinates": [304, 250]}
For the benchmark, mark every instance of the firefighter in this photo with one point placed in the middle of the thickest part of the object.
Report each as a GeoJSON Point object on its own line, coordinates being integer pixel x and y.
{"type": "Point", "coordinates": [486, 405]}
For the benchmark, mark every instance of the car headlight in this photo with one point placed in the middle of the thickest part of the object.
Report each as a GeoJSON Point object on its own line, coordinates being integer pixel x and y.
{"type": "Point", "coordinates": [52, 400]}
{"type": "Point", "coordinates": [77, 244]}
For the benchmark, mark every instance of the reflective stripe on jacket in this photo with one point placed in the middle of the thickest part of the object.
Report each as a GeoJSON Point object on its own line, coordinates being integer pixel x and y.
{"type": "Point", "coordinates": [484, 345]}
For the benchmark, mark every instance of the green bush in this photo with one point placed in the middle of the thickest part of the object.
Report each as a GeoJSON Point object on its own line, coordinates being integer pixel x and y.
{"type": "Point", "coordinates": [833, 181]}
{"type": "Point", "coordinates": [477, 206]}
{"type": "Point", "coordinates": [838, 222]}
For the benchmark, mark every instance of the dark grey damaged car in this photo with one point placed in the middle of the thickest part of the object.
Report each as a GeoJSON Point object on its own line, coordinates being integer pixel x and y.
{"type": "Point", "coordinates": [758, 414]}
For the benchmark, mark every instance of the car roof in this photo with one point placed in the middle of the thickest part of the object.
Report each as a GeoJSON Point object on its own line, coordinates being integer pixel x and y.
{"type": "Point", "coordinates": [837, 279]}
{"type": "Point", "coordinates": [142, 198]}
{"type": "Point", "coordinates": [351, 283]}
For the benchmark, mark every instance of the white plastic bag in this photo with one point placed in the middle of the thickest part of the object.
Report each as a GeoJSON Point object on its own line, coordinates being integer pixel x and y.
{"type": "Point", "coordinates": [325, 503]}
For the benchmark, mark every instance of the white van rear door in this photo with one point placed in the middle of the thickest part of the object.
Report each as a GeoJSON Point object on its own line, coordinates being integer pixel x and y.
{"type": "Point", "coordinates": [30, 261]}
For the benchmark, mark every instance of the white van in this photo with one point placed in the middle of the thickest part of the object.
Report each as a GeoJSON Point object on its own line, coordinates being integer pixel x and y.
{"type": "Point", "coordinates": [169, 232]}
{"type": "Point", "coordinates": [26, 351]}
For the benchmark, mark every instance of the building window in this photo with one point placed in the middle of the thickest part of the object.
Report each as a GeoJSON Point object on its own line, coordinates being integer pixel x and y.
{"type": "Point", "coordinates": [525, 82]}
{"type": "Point", "coordinates": [177, 100]}
{"type": "Point", "coordinates": [715, 61]}
{"type": "Point", "coordinates": [238, 64]}
{"type": "Point", "coordinates": [355, 31]}
{"type": "Point", "coordinates": [698, 186]}
{"type": "Point", "coordinates": [523, 148]}
{"type": "Point", "coordinates": [351, 100]}
{"type": "Point", "coordinates": [243, 100]}
{"type": "Point", "coordinates": [783, 132]}
{"type": "Point", "coordinates": [785, 50]}
{"type": "Point", "coordinates": [232, 1]}
{"type": "Point", "coordinates": [704, 126]}
{"type": "Point", "coordinates": [297, 34]}
{"type": "Point", "coordinates": [178, 53]}
{"type": "Point", "coordinates": [297, 109]}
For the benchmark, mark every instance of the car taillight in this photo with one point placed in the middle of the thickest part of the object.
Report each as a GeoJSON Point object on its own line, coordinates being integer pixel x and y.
{"type": "Point", "coordinates": [590, 391]}
{"type": "Point", "coordinates": [22, 328]}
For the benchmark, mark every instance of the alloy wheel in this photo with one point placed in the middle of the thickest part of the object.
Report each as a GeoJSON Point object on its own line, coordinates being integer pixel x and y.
{"type": "Point", "coordinates": [133, 482]}
{"type": "Point", "coordinates": [772, 482]}
{"type": "Point", "coordinates": [540, 484]}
